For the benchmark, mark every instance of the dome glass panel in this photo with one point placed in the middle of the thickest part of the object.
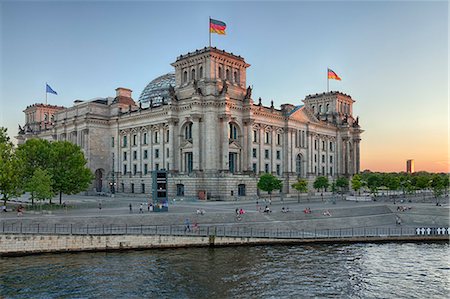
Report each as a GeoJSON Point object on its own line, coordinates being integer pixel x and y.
{"type": "Point", "coordinates": [158, 89]}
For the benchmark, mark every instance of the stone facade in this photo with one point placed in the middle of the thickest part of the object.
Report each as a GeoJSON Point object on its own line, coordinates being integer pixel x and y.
{"type": "Point", "coordinates": [209, 134]}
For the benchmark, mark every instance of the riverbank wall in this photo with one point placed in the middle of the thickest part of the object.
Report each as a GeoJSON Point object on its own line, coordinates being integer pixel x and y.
{"type": "Point", "coordinates": [25, 244]}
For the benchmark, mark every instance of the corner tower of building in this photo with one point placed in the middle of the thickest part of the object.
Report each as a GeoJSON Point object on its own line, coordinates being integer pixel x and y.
{"type": "Point", "coordinates": [210, 68]}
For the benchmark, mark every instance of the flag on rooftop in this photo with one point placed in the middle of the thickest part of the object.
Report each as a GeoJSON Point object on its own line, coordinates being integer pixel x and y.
{"type": "Point", "coordinates": [49, 89]}
{"type": "Point", "coordinates": [333, 75]}
{"type": "Point", "coordinates": [216, 26]}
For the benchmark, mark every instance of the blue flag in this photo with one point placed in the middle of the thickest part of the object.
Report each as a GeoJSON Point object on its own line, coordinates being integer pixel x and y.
{"type": "Point", "coordinates": [50, 90]}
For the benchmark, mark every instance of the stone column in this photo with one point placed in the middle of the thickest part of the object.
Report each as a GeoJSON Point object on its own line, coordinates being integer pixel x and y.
{"type": "Point", "coordinates": [287, 154]}
{"type": "Point", "coordinates": [357, 156]}
{"type": "Point", "coordinates": [273, 156]}
{"type": "Point", "coordinates": [248, 145]}
{"type": "Point", "coordinates": [196, 142]}
{"type": "Point", "coordinates": [261, 156]}
{"type": "Point", "coordinates": [327, 156]}
{"type": "Point", "coordinates": [171, 158]}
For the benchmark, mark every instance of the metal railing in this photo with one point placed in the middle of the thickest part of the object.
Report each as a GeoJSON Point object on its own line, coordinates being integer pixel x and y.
{"type": "Point", "coordinates": [219, 231]}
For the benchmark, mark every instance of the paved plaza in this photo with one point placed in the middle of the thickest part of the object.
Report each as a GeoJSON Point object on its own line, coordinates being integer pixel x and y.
{"type": "Point", "coordinates": [329, 213]}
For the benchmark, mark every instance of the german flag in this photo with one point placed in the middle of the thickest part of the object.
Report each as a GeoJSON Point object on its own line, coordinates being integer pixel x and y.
{"type": "Point", "coordinates": [216, 26]}
{"type": "Point", "coordinates": [333, 75]}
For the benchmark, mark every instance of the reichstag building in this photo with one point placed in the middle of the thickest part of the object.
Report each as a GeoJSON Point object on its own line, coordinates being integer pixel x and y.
{"type": "Point", "coordinates": [202, 125]}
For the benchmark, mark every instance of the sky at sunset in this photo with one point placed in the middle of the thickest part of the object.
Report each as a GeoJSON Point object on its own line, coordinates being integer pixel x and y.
{"type": "Point", "coordinates": [392, 58]}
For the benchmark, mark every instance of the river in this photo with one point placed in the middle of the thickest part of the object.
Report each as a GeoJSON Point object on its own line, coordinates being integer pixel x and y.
{"type": "Point", "coordinates": [391, 270]}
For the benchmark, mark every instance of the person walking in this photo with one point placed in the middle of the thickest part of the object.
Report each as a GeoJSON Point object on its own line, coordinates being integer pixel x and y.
{"type": "Point", "coordinates": [100, 206]}
{"type": "Point", "coordinates": [131, 208]}
{"type": "Point", "coordinates": [141, 208]}
{"type": "Point", "coordinates": [187, 225]}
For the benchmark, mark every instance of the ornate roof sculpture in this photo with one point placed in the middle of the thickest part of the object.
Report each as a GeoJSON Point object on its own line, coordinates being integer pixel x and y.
{"type": "Point", "coordinates": [157, 90]}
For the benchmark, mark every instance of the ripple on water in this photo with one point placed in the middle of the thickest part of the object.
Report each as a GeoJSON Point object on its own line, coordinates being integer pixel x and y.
{"type": "Point", "coordinates": [405, 270]}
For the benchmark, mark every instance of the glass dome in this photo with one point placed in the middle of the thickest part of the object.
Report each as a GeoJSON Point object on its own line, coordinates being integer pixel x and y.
{"type": "Point", "coordinates": [158, 89]}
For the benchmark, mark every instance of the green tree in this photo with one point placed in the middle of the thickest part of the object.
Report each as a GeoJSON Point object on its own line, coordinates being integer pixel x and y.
{"type": "Point", "coordinates": [437, 186]}
{"type": "Point", "coordinates": [342, 183]}
{"type": "Point", "coordinates": [357, 183]}
{"type": "Point", "coordinates": [34, 154]}
{"type": "Point", "coordinates": [301, 186]}
{"type": "Point", "coordinates": [373, 183]}
{"type": "Point", "coordinates": [393, 182]}
{"type": "Point", "coordinates": [40, 185]}
{"type": "Point", "coordinates": [422, 182]}
{"type": "Point", "coordinates": [267, 182]}
{"type": "Point", "coordinates": [10, 169]}
{"type": "Point", "coordinates": [321, 183]}
{"type": "Point", "coordinates": [68, 170]}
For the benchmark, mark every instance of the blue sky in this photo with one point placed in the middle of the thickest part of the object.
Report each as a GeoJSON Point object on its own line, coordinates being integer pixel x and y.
{"type": "Point", "coordinates": [392, 58]}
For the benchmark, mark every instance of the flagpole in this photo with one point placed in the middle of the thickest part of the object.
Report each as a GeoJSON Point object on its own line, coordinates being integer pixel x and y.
{"type": "Point", "coordinates": [328, 83]}
{"type": "Point", "coordinates": [209, 31]}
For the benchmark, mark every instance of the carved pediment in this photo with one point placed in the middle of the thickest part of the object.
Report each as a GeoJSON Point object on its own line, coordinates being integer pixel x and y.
{"type": "Point", "coordinates": [186, 144]}
{"type": "Point", "coordinates": [234, 145]}
{"type": "Point", "coordinates": [304, 115]}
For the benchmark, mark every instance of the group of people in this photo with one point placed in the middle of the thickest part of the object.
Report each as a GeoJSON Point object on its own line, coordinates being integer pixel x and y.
{"type": "Point", "coordinates": [284, 210]}
{"type": "Point", "coordinates": [403, 208]}
{"type": "Point", "coordinates": [200, 211]}
{"type": "Point", "coordinates": [307, 211]}
{"type": "Point", "coordinates": [141, 207]}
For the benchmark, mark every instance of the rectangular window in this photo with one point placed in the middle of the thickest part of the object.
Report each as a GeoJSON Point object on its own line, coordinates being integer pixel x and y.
{"type": "Point", "coordinates": [180, 190]}
{"type": "Point", "coordinates": [296, 139]}
{"type": "Point", "coordinates": [323, 145]}
{"type": "Point", "coordinates": [278, 155]}
{"type": "Point", "coordinates": [167, 136]}
{"type": "Point", "coordinates": [188, 162]}
{"type": "Point", "coordinates": [303, 139]}
{"type": "Point", "coordinates": [266, 154]}
{"type": "Point", "coordinates": [132, 188]}
{"type": "Point", "coordinates": [266, 168]}
{"type": "Point", "coordinates": [331, 159]}
{"type": "Point", "coordinates": [167, 153]}
{"type": "Point", "coordinates": [145, 168]}
{"type": "Point", "coordinates": [278, 170]}
{"type": "Point", "coordinates": [134, 169]}
{"type": "Point", "coordinates": [254, 168]}
{"type": "Point", "coordinates": [124, 141]}
{"type": "Point", "coordinates": [145, 154]}
{"type": "Point", "coordinates": [112, 141]}
{"type": "Point", "coordinates": [255, 136]}
{"type": "Point", "coordinates": [267, 137]}
{"type": "Point", "coordinates": [331, 170]}
{"type": "Point", "coordinates": [315, 157]}
{"type": "Point", "coordinates": [145, 138]}
{"type": "Point", "coordinates": [331, 146]}
{"type": "Point", "coordinates": [134, 139]}
{"type": "Point", "coordinates": [254, 153]}
{"type": "Point", "coordinates": [124, 156]}
{"type": "Point", "coordinates": [156, 153]}
{"type": "Point", "coordinates": [124, 169]}
{"type": "Point", "coordinates": [279, 139]}
{"type": "Point", "coordinates": [156, 137]}
{"type": "Point", "coordinates": [315, 144]}
{"type": "Point", "coordinates": [157, 166]}
{"type": "Point", "coordinates": [143, 188]}
{"type": "Point", "coordinates": [323, 170]}
{"type": "Point", "coordinates": [134, 155]}
{"type": "Point", "coordinates": [323, 158]}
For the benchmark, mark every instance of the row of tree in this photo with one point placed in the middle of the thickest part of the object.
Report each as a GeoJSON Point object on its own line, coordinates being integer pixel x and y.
{"type": "Point", "coordinates": [42, 168]}
{"type": "Point", "coordinates": [407, 183]}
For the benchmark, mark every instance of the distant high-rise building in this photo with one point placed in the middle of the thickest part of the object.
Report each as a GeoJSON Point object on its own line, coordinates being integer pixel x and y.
{"type": "Point", "coordinates": [410, 166]}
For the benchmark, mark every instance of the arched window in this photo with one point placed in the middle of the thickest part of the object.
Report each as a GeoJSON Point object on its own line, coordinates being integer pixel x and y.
{"type": "Point", "coordinates": [188, 131]}
{"type": "Point", "coordinates": [314, 109]}
{"type": "Point", "coordinates": [328, 108]}
{"type": "Point", "coordinates": [233, 131]}
{"type": "Point", "coordinates": [185, 77]}
{"type": "Point", "coordinates": [320, 108]}
{"type": "Point", "coordinates": [298, 164]}
{"type": "Point", "coordinates": [236, 77]}
{"type": "Point", "coordinates": [200, 73]}
{"type": "Point", "coordinates": [193, 75]}
{"type": "Point", "coordinates": [220, 72]}
{"type": "Point", "coordinates": [228, 74]}
{"type": "Point", "coordinates": [241, 190]}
